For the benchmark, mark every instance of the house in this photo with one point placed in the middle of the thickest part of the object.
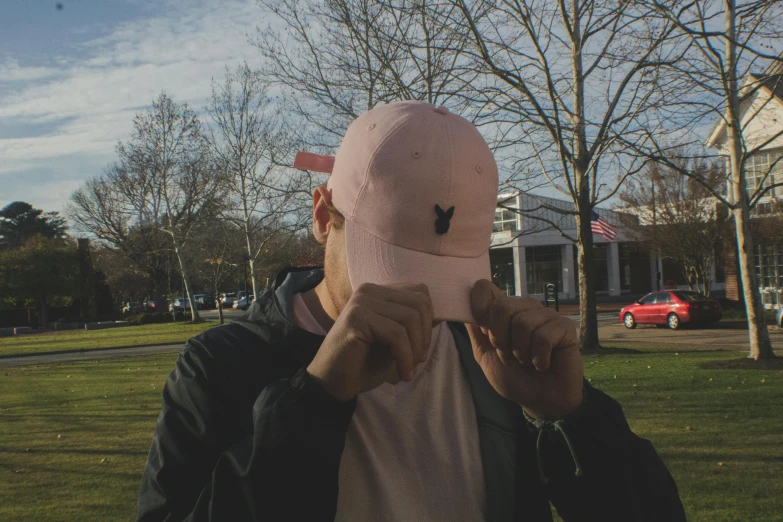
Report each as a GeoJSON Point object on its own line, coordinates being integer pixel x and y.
{"type": "Point", "coordinates": [761, 114]}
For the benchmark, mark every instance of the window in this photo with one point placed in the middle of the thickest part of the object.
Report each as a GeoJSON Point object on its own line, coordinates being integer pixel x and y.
{"type": "Point", "coordinates": [625, 251]}
{"type": "Point", "coordinates": [600, 259]}
{"type": "Point", "coordinates": [543, 266]}
{"type": "Point", "coordinates": [761, 165]}
{"type": "Point", "coordinates": [690, 296]}
{"type": "Point", "coordinates": [663, 297]}
{"type": "Point", "coordinates": [768, 261]}
{"type": "Point", "coordinates": [600, 267]}
{"type": "Point", "coordinates": [505, 220]}
{"type": "Point", "coordinates": [501, 261]}
{"type": "Point", "coordinates": [648, 299]}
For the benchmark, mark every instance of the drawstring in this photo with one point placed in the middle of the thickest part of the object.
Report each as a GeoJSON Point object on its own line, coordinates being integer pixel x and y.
{"type": "Point", "coordinates": [538, 458]}
{"type": "Point", "coordinates": [541, 426]}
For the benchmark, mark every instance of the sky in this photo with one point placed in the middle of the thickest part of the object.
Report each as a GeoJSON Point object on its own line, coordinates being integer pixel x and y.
{"type": "Point", "coordinates": [72, 79]}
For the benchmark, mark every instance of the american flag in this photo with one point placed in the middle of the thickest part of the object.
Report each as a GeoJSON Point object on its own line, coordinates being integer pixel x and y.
{"type": "Point", "coordinates": [602, 227]}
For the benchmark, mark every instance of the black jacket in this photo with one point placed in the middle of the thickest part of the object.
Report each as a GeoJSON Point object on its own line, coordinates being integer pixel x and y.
{"type": "Point", "coordinates": [245, 434]}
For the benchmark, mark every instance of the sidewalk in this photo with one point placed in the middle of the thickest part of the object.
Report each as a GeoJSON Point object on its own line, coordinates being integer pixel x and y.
{"type": "Point", "coordinates": [572, 308]}
{"type": "Point", "coordinates": [723, 336]}
{"type": "Point", "coordinates": [86, 355]}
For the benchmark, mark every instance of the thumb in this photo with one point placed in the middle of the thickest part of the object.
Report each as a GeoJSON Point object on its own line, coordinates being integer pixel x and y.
{"type": "Point", "coordinates": [483, 294]}
{"type": "Point", "coordinates": [478, 339]}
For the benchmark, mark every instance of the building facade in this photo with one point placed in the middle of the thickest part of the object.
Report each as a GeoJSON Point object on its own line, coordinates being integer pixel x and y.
{"type": "Point", "coordinates": [761, 116]}
{"type": "Point", "coordinates": [528, 252]}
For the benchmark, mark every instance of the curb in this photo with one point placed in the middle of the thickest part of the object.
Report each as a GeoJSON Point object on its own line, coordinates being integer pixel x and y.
{"type": "Point", "coordinates": [87, 350]}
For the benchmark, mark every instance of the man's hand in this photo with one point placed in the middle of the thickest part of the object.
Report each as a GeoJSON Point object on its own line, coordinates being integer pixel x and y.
{"type": "Point", "coordinates": [530, 354]}
{"type": "Point", "coordinates": [383, 333]}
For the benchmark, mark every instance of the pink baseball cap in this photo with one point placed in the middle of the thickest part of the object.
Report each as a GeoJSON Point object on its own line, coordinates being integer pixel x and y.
{"type": "Point", "coordinates": [418, 187]}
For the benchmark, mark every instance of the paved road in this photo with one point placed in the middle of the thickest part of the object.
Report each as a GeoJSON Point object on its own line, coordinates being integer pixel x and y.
{"type": "Point", "coordinates": [229, 314]}
{"type": "Point", "coordinates": [89, 355]}
{"type": "Point", "coordinates": [610, 317]}
{"type": "Point", "coordinates": [610, 331]}
{"type": "Point", "coordinates": [722, 337]}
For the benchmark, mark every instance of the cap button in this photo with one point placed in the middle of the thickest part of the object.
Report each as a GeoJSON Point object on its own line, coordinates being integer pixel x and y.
{"type": "Point", "coordinates": [440, 109]}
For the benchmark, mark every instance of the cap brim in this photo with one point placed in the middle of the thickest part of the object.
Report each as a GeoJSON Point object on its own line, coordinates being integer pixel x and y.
{"type": "Point", "coordinates": [449, 279]}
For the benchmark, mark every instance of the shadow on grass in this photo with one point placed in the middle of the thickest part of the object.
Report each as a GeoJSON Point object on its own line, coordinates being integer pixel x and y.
{"type": "Point", "coordinates": [744, 364]}
{"type": "Point", "coordinates": [72, 451]}
{"type": "Point", "coordinates": [602, 350]}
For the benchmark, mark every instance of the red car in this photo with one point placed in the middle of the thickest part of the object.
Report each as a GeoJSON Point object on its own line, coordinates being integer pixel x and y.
{"type": "Point", "coordinates": [671, 308]}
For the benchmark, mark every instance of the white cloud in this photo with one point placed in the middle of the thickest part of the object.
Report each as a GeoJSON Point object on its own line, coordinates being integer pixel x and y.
{"type": "Point", "coordinates": [88, 98]}
{"type": "Point", "coordinates": [11, 71]}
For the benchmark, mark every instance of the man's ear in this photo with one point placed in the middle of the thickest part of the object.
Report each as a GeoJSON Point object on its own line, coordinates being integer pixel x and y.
{"type": "Point", "coordinates": [321, 216]}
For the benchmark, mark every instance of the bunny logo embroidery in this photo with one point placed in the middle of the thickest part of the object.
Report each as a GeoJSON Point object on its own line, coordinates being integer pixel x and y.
{"type": "Point", "coordinates": [442, 223]}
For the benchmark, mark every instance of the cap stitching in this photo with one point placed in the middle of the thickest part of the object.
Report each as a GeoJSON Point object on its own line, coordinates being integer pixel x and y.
{"type": "Point", "coordinates": [451, 174]}
{"type": "Point", "coordinates": [370, 162]}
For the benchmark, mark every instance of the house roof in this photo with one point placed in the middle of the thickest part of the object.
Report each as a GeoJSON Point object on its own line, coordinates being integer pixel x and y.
{"type": "Point", "coordinates": [772, 84]}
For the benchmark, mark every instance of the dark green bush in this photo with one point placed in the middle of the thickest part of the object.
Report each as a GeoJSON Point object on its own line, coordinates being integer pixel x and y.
{"type": "Point", "coordinates": [157, 317]}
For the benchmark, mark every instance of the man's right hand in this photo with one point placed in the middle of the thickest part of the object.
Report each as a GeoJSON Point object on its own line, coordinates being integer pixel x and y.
{"type": "Point", "coordinates": [383, 333]}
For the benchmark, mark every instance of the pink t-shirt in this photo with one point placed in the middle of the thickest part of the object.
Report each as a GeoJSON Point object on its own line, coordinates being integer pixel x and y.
{"type": "Point", "coordinates": [412, 449]}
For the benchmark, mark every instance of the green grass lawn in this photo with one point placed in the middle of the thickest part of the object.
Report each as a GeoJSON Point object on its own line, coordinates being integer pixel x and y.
{"type": "Point", "coordinates": [178, 332]}
{"type": "Point", "coordinates": [696, 418]}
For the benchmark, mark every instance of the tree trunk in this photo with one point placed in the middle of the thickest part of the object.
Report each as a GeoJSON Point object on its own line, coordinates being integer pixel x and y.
{"type": "Point", "coordinates": [44, 313]}
{"type": "Point", "coordinates": [171, 293]}
{"type": "Point", "coordinates": [219, 304]}
{"type": "Point", "coordinates": [253, 279]}
{"type": "Point", "coordinates": [588, 318]}
{"type": "Point", "coordinates": [191, 302]}
{"type": "Point", "coordinates": [760, 344]}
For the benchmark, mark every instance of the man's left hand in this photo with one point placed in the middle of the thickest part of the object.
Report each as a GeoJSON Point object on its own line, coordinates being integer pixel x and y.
{"type": "Point", "coordinates": [530, 354]}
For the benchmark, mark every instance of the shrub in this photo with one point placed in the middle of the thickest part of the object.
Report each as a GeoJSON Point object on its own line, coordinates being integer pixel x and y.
{"type": "Point", "coordinates": [148, 318]}
{"type": "Point", "coordinates": [182, 316]}
{"type": "Point", "coordinates": [157, 317]}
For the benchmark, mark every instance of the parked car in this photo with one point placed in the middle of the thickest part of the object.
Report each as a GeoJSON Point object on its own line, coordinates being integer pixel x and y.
{"type": "Point", "coordinates": [133, 308]}
{"type": "Point", "coordinates": [672, 308]}
{"type": "Point", "coordinates": [180, 304]}
{"type": "Point", "coordinates": [227, 300]}
{"type": "Point", "coordinates": [204, 301]}
{"type": "Point", "coordinates": [155, 304]}
{"type": "Point", "coordinates": [243, 303]}
{"type": "Point", "coordinates": [779, 317]}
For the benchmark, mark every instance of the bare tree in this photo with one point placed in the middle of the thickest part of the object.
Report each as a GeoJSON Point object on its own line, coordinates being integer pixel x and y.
{"type": "Point", "coordinates": [250, 139]}
{"type": "Point", "coordinates": [731, 77]}
{"type": "Point", "coordinates": [219, 248]}
{"type": "Point", "coordinates": [563, 81]}
{"type": "Point", "coordinates": [169, 175]}
{"type": "Point", "coordinates": [100, 210]}
{"type": "Point", "coordinates": [677, 218]}
{"type": "Point", "coordinates": [165, 179]}
{"type": "Point", "coordinates": [336, 59]}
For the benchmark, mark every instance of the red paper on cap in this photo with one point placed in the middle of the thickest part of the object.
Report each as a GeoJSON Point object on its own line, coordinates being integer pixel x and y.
{"type": "Point", "coordinates": [314, 162]}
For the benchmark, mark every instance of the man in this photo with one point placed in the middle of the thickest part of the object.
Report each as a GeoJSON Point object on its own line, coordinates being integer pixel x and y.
{"type": "Point", "coordinates": [397, 383]}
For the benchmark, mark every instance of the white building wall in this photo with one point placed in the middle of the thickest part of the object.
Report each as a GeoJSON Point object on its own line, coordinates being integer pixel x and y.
{"type": "Point", "coordinates": [763, 120]}
{"type": "Point", "coordinates": [533, 233]}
